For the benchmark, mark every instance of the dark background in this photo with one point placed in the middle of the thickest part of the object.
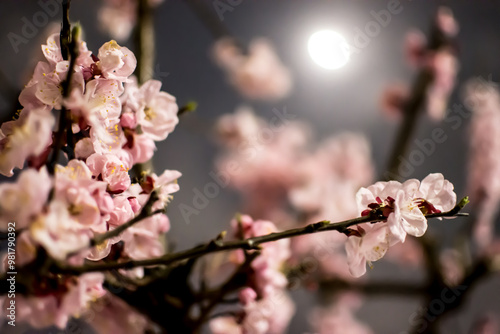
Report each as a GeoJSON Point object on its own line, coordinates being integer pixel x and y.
{"type": "Point", "coordinates": [330, 101]}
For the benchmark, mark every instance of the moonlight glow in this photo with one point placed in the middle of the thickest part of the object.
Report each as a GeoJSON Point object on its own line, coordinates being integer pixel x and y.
{"type": "Point", "coordinates": [328, 49]}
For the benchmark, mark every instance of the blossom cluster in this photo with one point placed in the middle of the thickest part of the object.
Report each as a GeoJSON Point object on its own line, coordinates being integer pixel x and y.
{"type": "Point", "coordinates": [265, 304]}
{"type": "Point", "coordinates": [405, 206]}
{"type": "Point", "coordinates": [113, 125]}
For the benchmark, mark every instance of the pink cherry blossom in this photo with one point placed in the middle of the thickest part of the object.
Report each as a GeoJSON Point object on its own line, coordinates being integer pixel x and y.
{"type": "Point", "coordinates": [128, 120]}
{"type": "Point", "coordinates": [140, 147]}
{"type": "Point", "coordinates": [115, 61]}
{"type": "Point", "coordinates": [110, 314]}
{"type": "Point", "coordinates": [446, 22]}
{"type": "Point", "coordinates": [84, 148]}
{"type": "Point", "coordinates": [111, 169]}
{"type": "Point", "coordinates": [156, 112]}
{"type": "Point", "coordinates": [142, 241]}
{"type": "Point", "coordinates": [268, 315]}
{"type": "Point", "coordinates": [56, 308]}
{"type": "Point", "coordinates": [369, 247]}
{"type": "Point", "coordinates": [28, 136]}
{"type": "Point", "coordinates": [165, 185]}
{"type": "Point", "coordinates": [261, 164]}
{"type": "Point", "coordinates": [338, 318]}
{"type": "Point", "coordinates": [23, 200]}
{"type": "Point", "coordinates": [25, 250]}
{"type": "Point", "coordinates": [118, 18]}
{"type": "Point", "coordinates": [58, 232]}
{"type": "Point", "coordinates": [405, 204]}
{"type": "Point", "coordinates": [225, 325]}
{"type": "Point", "coordinates": [266, 276]}
{"type": "Point", "coordinates": [87, 199]}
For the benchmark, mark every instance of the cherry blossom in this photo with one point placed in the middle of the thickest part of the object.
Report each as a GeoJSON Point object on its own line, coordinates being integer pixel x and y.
{"type": "Point", "coordinates": [111, 314]}
{"type": "Point", "coordinates": [268, 315]}
{"type": "Point", "coordinates": [28, 136]}
{"type": "Point", "coordinates": [58, 232]}
{"type": "Point", "coordinates": [56, 307]}
{"type": "Point", "coordinates": [24, 199]}
{"type": "Point", "coordinates": [115, 61]}
{"type": "Point", "coordinates": [338, 318]}
{"type": "Point", "coordinates": [371, 245]}
{"type": "Point", "coordinates": [111, 169]}
{"type": "Point", "coordinates": [155, 111]}
{"type": "Point", "coordinates": [405, 206]}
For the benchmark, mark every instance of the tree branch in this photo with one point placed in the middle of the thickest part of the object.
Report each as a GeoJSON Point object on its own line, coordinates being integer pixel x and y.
{"type": "Point", "coordinates": [248, 244]}
{"type": "Point", "coordinates": [64, 127]}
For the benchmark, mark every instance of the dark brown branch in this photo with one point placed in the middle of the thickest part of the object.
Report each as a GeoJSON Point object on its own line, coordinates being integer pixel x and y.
{"type": "Point", "coordinates": [65, 30]}
{"type": "Point", "coordinates": [64, 127]}
{"type": "Point", "coordinates": [413, 106]}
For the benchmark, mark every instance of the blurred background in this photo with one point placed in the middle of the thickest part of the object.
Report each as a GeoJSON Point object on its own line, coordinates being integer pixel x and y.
{"type": "Point", "coordinates": [330, 101]}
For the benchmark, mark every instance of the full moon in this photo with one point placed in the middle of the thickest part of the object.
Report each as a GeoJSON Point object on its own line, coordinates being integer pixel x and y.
{"type": "Point", "coordinates": [328, 49]}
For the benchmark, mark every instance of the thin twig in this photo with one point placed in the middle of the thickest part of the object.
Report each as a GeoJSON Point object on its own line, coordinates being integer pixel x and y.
{"type": "Point", "coordinates": [146, 211]}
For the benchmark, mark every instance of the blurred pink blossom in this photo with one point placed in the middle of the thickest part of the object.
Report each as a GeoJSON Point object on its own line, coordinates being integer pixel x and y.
{"type": "Point", "coordinates": [268, 315]}
{"type": "Point", "coordinates": [28, 136]}
{"type": "Point", "coordinates": [57, 307]}
{"type": "Point", "coordinates": [483, 182]}
{"type": "Point", "coordinates": [338, 318]}
{"type": "Point", "coordinates": [445, 21]}
{"type": "Point", "coordinates": [267, 275]}
{"type": "Point", "coordinates": [257, 75]}
{"type": "Point", "coordinates": [24, 199]}
{"type": "Point", "coordinates": [110, 314]}
{"type": "Point", "coordinates": [260, 161]}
